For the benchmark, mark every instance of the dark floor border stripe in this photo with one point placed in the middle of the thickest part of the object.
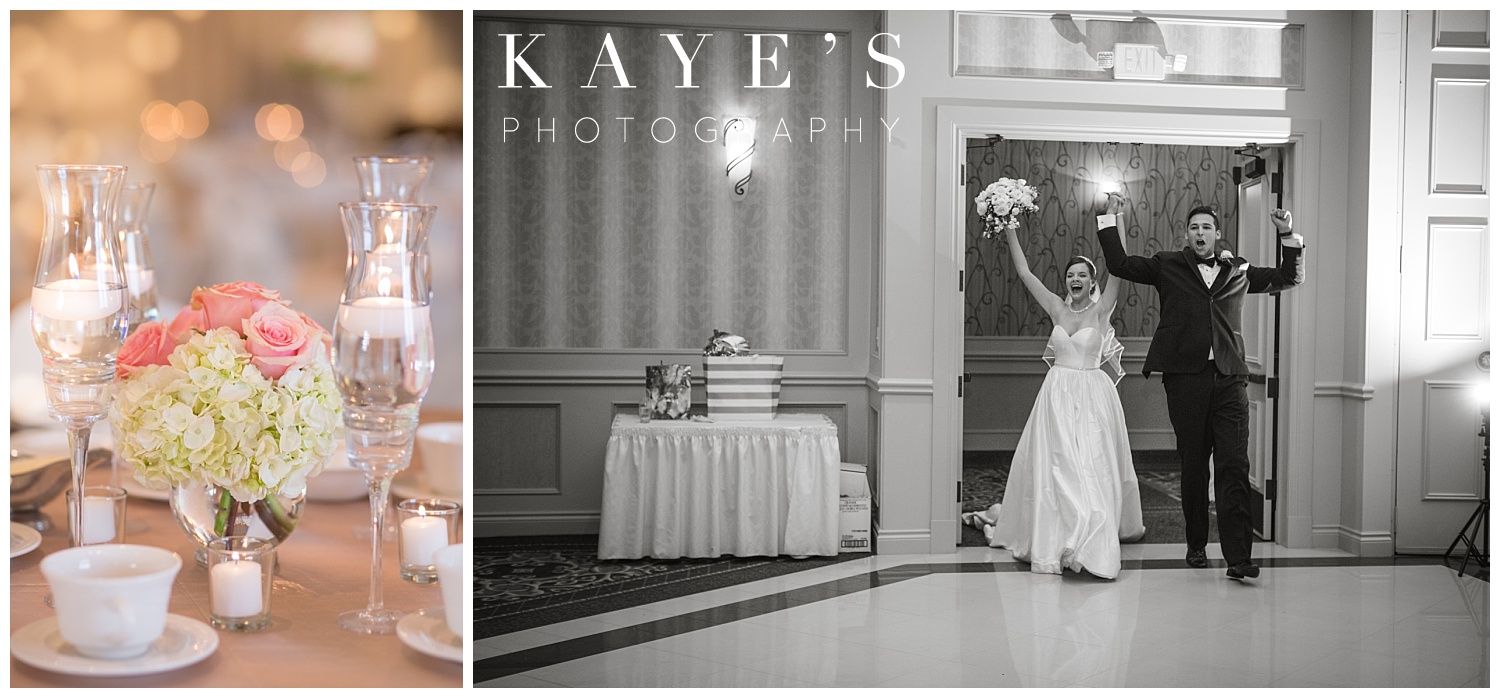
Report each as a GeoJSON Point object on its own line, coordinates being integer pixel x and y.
{"type": "Point", "coordinates": [608, 641]}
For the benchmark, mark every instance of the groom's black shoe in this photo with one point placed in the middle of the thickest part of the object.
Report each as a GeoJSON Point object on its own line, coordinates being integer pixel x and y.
{"type": "Point", "coordinates": [1198, 558]}
{"type": "Point", "coordinates": [1243, 570]}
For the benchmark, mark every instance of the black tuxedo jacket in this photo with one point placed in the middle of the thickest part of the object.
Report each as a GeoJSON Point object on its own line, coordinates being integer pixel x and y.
{"type": "Point", "coordinates": [1195, 316]}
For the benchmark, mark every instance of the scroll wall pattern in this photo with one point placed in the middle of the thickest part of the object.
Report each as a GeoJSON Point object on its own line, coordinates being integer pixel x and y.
{"type": "Point", "coordinates": [1161, 183]}
{"type": "Point", "coordinates": [630, 243]}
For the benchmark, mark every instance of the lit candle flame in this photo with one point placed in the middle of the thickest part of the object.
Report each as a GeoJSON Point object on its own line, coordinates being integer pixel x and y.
{"type": "Point", "coordinates": [72, 266]}
{"type": "Point", "coordinates": [384, 285]}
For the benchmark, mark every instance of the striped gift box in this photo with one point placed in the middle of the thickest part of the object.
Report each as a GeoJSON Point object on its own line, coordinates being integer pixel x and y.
{"type": "Point", "coordinates": [743, 387]}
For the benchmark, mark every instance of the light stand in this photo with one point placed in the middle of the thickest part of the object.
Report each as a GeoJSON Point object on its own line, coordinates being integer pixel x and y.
{"type": "Point", "coordinates": [1479, 521]}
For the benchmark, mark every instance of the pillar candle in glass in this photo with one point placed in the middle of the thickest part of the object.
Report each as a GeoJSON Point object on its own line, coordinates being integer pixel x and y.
{"type": "Point", "coordinates": [240, 572]}
{"type": "Point", "coordinates": [427, 525]}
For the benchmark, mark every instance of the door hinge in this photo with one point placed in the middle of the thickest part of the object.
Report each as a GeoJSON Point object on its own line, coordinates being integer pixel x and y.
{"type": "Point", "coordinates": [960, 385]}
{"type": "Point", "coordinates": [1273, 386]}
{"type": "Point", "coordinates": [960, 281]}
{"type": "Point", "coordinates": [960, 497]}
{"type": "Point", "coordinates": [963, 176]}
{"type": "Point", "coordinates": [1270, 490]}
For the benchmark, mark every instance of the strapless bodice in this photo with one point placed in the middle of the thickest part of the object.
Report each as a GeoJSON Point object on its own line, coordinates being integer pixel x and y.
{"type": "Point", "coordinates": [1079, 350]}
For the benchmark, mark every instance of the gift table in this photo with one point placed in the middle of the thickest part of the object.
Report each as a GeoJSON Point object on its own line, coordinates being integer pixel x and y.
{"type": "Point", "coordinates": [324, 570]}
{"type": "Point", "coordinates": [678, 488]}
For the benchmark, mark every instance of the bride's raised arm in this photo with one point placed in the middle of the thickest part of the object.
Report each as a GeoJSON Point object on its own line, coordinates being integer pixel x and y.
{"type": "Point", "coordinates": [1049, 302]}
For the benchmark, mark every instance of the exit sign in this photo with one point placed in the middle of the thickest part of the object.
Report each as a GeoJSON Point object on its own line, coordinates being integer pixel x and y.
{"type": "Point", "coordinates": [1139, 62]}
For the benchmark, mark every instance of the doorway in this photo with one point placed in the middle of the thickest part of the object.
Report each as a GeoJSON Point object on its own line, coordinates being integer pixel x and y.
{"type": "Point", "coordinates": [974, 125]}
{"type": "Point", "coordinates": [1005, 330]}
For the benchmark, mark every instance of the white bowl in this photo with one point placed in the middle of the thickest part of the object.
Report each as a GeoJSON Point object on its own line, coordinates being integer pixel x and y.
{"type": "Point", "coordinates": [338, 482]}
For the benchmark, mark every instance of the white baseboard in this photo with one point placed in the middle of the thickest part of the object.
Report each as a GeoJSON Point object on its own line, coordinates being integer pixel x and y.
{"type": "Point", "coordinates": [1371, 544]}
{"type": "Point", "coordinates": [903, 542]}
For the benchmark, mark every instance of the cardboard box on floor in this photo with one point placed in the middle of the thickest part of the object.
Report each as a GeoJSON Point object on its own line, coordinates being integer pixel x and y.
{"type": "Point", "coordinates": [856, 532]}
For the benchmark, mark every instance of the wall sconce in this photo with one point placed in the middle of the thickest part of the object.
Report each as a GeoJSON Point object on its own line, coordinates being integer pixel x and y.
{"type": "Point", "coordinates": [739, 147]}
{"type": "Point", "coordinates": [1109, 187]}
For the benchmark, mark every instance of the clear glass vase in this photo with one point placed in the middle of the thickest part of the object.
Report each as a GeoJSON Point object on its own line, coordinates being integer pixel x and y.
{"type": "Point", "coordinates": [209, 513]}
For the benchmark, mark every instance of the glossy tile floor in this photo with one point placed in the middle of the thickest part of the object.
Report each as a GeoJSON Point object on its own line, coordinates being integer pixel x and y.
{"type": "Point", "coordinates": [975, 618]}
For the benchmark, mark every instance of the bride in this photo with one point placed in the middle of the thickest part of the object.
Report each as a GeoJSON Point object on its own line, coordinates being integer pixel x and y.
{"type": "Point", "coordinates": [1072, 494]}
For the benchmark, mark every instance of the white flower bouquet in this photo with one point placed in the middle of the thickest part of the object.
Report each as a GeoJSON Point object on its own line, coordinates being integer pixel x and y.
{"type": "Point", "coordinates": [1002, 203]}
{"type": "Point", "coordinates": [236, 393]}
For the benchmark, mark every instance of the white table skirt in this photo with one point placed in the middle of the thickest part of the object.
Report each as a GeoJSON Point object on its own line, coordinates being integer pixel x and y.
{"type": "Point", "coordinates": [677, 488]}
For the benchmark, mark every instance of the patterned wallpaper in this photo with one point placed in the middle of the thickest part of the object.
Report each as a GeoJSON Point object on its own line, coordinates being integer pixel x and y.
{"type": "Point", "coordinates": [1161, 183]}
{"type": "Point", "coordinates": [626, 242]}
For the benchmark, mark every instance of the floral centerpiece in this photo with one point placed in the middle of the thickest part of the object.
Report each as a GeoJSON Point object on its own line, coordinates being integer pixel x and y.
{"type": "Point", "coordinates": [234, 397]}
{"type": "Point", "coordinates": [1002, 203]}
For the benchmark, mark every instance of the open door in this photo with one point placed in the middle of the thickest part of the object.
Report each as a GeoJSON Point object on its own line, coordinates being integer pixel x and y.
{"type": "Point", "coordinates": [1261, 181]}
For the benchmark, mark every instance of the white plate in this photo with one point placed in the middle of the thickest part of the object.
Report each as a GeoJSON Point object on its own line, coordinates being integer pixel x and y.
{"type": "Point", "coordinates": [426, 631]}
{"type": "Point", "coordinates": [412, 485]}
{"type": "Point", "coordinates": [135, 489]}
{"type": "Point", "coordinates": [185, 641]}
{"type": "Point", "coordinates": [23, 539]}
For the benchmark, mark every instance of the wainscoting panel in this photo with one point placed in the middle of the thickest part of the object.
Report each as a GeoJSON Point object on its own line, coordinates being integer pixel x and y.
{"type": "Point", "coordinates": [522, 446]}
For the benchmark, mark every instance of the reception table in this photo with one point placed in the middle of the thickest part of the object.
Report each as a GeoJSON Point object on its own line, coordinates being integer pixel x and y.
{"type": "Point", "coordinates": [680, 488]}
{"type": "Point", "coordinates": [324, 570]}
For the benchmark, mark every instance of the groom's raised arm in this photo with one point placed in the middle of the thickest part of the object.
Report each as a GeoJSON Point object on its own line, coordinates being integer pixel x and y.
{"type": "Point", "coordinates": [1141, 270]}
{"type": "Point", "coordinates": [1293, 267]}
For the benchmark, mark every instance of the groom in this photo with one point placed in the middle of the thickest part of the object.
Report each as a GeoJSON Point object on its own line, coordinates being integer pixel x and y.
{"type": "Point", "coordinates": [1199, 352]}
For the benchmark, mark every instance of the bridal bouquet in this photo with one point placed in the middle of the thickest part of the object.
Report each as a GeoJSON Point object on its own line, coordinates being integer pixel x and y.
{"type": "Point", "coordinates": [236, 392]}
{"type": "Point", "coordinates": [1002, 203]}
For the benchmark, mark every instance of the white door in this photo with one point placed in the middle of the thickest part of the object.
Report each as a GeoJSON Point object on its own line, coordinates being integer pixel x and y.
{"type": "Point", "coordinates": [1444, 327]}
{"type": "Point", "coordinates": [1258, 244]}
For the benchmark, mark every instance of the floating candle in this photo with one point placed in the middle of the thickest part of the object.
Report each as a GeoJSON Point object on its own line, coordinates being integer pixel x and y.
{"type": "Point", "coordinates": [382, 317]}
{"type": "Point", "coordinates": [76, 299]}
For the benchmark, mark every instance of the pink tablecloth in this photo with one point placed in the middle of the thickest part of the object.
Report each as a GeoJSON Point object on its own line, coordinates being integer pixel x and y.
{"type": "Point", "coordinates": [325, 570]}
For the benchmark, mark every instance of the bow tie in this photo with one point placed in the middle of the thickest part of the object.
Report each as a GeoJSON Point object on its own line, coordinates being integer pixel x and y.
{"type": "Point", "coordinates": [1210, 262]}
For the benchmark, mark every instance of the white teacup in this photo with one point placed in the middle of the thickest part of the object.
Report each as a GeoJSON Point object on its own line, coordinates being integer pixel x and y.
{"type": "Point", "coordinates": [450, 568]}
{"type": "Point", "coordinates": [111, 599]}
{"type": "Point", "coordinates": [442, 448]}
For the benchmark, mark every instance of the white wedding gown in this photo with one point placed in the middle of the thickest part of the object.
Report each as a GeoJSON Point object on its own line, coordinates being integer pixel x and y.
{"type": "Point", "coordinates": [1072, 494]}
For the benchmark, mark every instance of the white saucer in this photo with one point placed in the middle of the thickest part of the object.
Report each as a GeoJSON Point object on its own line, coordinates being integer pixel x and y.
{"type": "Point", "coordinates": [23, 539]}
{"type": "Point", "coordinates": [414, 486]}
{"type": "Point", "coordinates": [426, 631]}
{"type": "Point", "coordinates": [185, 641]}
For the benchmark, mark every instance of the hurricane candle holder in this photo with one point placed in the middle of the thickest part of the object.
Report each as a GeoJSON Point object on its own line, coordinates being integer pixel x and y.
{"type": "Point", "coordinates": [240, 571]}
{"type": "Point", "coordinates": [383, 362]}
{"type": "Point", "coordinates": [79, 305]}
{"type": "Point", "coordinates": [135, 251]}
{"type": "Point", "coordinates": [427, 525]}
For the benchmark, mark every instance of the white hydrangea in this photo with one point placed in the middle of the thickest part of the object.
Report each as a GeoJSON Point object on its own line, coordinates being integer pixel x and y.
{"type": "Point", "coordinates": [210, 417]}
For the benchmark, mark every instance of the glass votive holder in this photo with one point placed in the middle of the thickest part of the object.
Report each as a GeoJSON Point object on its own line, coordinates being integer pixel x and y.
{"type": "Point", "coordinates": [427, 525]}
{"type": "Point", "coordinates": [240, 569]}
{"type": "Point", "coordinates": [644, 411]}
{"type": "Point", "coordinates": [103, 514]}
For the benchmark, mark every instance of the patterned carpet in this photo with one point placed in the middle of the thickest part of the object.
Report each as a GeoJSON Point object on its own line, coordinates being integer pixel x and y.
{"type": "Point", "coordinates": [526, 582]}
{"type": "Point", "coordinates": [985, 473]}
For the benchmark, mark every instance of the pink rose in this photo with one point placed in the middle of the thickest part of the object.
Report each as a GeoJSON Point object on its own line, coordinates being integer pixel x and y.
{"type": "Point", "coordinates": [181, 328]}
{"type": "Point", "coordinates": [324, 335]}
{"type": "Point", "coordinates": [229, 305]}
{"type": "Point", "coordinates": [278, 339]}
{"type": "Point", "coordinates": [149, 345]}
